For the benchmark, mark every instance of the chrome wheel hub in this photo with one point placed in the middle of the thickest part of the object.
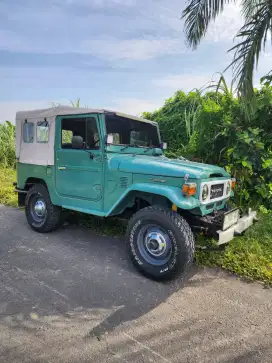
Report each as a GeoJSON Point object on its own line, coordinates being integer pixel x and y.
{"type": "Point", "coordinates": [40, 208]}
{"type": "Point", "coordinates": [155, 243]}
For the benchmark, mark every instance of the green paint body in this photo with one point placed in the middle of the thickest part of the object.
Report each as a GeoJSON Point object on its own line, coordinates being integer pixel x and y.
{"type": "Point", "coordinates": [105, 182]}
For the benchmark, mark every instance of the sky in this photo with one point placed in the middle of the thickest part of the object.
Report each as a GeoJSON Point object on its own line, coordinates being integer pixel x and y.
{"type": "Point", "coordinates": [126, 55]}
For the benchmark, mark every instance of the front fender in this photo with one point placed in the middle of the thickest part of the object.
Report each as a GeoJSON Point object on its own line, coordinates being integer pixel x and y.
{"type": "Point", "coordinates": [174, 194]}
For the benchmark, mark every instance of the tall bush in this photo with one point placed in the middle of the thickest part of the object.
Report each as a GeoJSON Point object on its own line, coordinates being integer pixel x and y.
{"type": "Point", "coordinates": [220, 133]}
{"type": "Point", "coordinates": [7, 145]}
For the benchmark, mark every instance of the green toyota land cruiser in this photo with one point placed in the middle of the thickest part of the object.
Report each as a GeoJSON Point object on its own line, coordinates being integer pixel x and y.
{"type": "Point", "coordinates": [106, 164]}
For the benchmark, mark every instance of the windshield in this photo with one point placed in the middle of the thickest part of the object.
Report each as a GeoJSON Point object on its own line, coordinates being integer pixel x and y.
{"type": "Point", "coordinates": [126, 131]}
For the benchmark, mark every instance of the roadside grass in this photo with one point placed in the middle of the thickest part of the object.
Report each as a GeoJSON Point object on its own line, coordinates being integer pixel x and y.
{"type": "Point", "coordinates": [7, 195]}
{"type": "Point", "coordinates": [248, 256]}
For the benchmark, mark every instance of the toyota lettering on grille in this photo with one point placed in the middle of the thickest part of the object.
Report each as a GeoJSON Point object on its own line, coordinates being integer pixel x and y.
{"type": "Point", "coordinates": [217, 191]}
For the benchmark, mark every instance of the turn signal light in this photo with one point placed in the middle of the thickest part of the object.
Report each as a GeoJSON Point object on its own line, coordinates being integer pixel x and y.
{"type": "Point", "coordinates": [189, 189]}
{"type": "Point", "coordinates": [233, 183]}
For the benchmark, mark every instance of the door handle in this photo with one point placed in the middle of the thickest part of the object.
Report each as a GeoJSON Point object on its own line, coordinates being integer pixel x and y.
{"type": "Point", "coordinates": [61, 168]}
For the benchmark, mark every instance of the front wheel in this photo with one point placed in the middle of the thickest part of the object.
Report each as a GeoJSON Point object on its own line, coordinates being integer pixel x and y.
{"type": "Point", "coordinates": [160, 243]}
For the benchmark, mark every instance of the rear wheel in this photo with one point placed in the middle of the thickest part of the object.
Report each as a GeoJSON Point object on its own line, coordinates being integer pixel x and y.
{"type": "Point", "coordinates": [41, 214]}
{"type": "Point", "coordinates": [160, 243]}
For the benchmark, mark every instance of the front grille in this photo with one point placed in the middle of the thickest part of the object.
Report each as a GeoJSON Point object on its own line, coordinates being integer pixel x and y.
{"type": "Point", "coordinates": [217, 191]}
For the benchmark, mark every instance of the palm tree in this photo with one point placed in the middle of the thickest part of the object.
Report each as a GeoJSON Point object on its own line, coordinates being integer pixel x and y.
{"type": "Point", "coordinates": [252, 37]}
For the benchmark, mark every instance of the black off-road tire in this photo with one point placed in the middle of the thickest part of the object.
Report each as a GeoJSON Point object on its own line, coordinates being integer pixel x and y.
{"type": "Point", "coordinates": [53, 218]}
{"type": "Point", "coordinates": [181, 236]}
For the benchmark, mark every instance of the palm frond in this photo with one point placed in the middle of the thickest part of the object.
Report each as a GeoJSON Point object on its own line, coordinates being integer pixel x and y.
{"type": "Point", "coordinates": [249, 8]}
{"type": "Point", "coordinates": [220, 86]}
{"type": "Point", "coordinates": [198, 15]}
{"type": "Point", "coordinates": [254, 37]}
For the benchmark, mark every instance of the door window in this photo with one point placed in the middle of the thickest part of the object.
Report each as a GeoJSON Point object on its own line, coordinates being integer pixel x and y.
{"type": "Point", "coordinates": [79, 133]}
{"type": "Point", "coordinates": [92, 137]}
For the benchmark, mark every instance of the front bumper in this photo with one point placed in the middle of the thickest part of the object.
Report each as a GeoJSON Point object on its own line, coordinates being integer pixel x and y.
{"type": "Point", "coordinates": [238, 228]}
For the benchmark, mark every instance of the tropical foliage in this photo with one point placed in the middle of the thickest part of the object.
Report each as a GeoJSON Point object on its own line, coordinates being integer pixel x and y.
{"type": "Point", "coordinates": [7, 144]}
{"type": "Point", "coordinates": [213, 128]}
{"type": "Point", "coordinates": [251, 39]}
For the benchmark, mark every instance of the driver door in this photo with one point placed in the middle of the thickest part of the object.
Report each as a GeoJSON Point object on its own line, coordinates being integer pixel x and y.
{"type": "Point", "coordinates": [79, 168]}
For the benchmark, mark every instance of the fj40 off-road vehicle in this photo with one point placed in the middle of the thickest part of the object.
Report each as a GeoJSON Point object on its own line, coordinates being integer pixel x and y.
{"type": "Point", "coordinates": [107, 164]}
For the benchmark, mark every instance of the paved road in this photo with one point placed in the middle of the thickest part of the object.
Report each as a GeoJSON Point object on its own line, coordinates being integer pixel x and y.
{"type": "Point", "coordinates": [72, 296]}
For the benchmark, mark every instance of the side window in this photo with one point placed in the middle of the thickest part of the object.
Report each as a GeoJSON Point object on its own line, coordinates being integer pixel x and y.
{"type": "Point", "coordinates": [93, 141]}
{"type": "Point", "coordinates": [28, 132]}
{"type": "Point", "coordinates": [42, 131]}
{"type": "Point", "coordinates": [73, 133]}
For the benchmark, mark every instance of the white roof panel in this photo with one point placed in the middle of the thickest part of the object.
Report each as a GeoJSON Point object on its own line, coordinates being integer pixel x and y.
{"type": "Point", "coordinates": [52, 112]}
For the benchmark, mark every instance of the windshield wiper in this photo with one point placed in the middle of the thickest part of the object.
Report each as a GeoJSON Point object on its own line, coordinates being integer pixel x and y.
{"type": "Point", "coordinates": [149, 148]}
{"type": "Point", "coordinates": [129, 145]}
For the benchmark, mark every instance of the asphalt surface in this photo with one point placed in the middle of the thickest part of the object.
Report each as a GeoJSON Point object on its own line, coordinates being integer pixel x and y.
{"type": "Point", "coordinates": [72, 296]}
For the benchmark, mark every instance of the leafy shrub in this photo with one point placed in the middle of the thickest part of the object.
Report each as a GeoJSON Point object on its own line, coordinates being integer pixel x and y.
{"type": "Point", "coordinates": [7, 144]}
{"type": "Point", "coordinates": [7, 194]}
{"type": "Point", "coordinates": [214, 128]}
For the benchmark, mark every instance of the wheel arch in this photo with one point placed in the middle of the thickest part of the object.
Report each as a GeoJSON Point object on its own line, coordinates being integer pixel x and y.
{"type": "Point", "coordinates": [153, 194]}
{"type": "Point", "coordinates": [30, 181]}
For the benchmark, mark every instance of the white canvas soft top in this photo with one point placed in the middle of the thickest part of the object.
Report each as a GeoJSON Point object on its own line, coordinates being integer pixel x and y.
{"type": "Point", "coordinates": [68, 110]}
{"type": "Point", "coordinates": [43, 153]}
{"type": "Point", "coordinates": [55, 111]}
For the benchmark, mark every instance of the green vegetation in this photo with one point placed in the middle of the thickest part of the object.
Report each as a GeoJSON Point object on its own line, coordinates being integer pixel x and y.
{"type": "Point", "coordinates": [7, 145]}
{"type": "Point", "coordinates": [7, 164]}
{"type": "Point", "coordinates": [249, 256]}
{"type": "Point", "coordinates": [7, 195]}
{"type": "Point", "coordinates": [213, 128]}
{"type": "Point", "coordinates": [251, 38]}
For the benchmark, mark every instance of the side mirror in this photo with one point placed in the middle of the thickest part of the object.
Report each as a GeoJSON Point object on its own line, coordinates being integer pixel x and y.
{"type": "Point", "coordinates": [163, 145]}
{"type": "Point", "coordinates": [109, 139]}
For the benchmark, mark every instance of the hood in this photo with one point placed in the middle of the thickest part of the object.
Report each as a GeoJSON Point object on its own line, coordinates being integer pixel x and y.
{"type": "Point", "coordinates": [160, 165]}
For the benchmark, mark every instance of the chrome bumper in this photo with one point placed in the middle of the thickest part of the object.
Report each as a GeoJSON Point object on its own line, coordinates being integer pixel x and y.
{"type": "Point", "coordinates": [242, 224]}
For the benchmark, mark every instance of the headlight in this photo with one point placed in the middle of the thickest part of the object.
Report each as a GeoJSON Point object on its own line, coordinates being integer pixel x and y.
{"type": "Point", "coordinates": [228, 190]}
{"type": "Point", "coordinates": [205, 192]}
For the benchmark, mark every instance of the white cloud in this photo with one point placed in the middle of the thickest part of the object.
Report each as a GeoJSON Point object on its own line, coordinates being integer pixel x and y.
{"type": "Point", "coordinates": [108, 48]}
{"type": "Point", "coordinates": [185, 82]}
{"type": "Point", "coordinates": [107, 2]}
{"type": "Point", "coordinates": [8, 109]}
{"type": "Point", "coordinates": [133, 106]}
{"type": "Point", "coordinates": [99, 3]}
{"type": "Point", "coordinates": [226, 25]}
{"type": "Point", "coordinates": [133, 49]}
